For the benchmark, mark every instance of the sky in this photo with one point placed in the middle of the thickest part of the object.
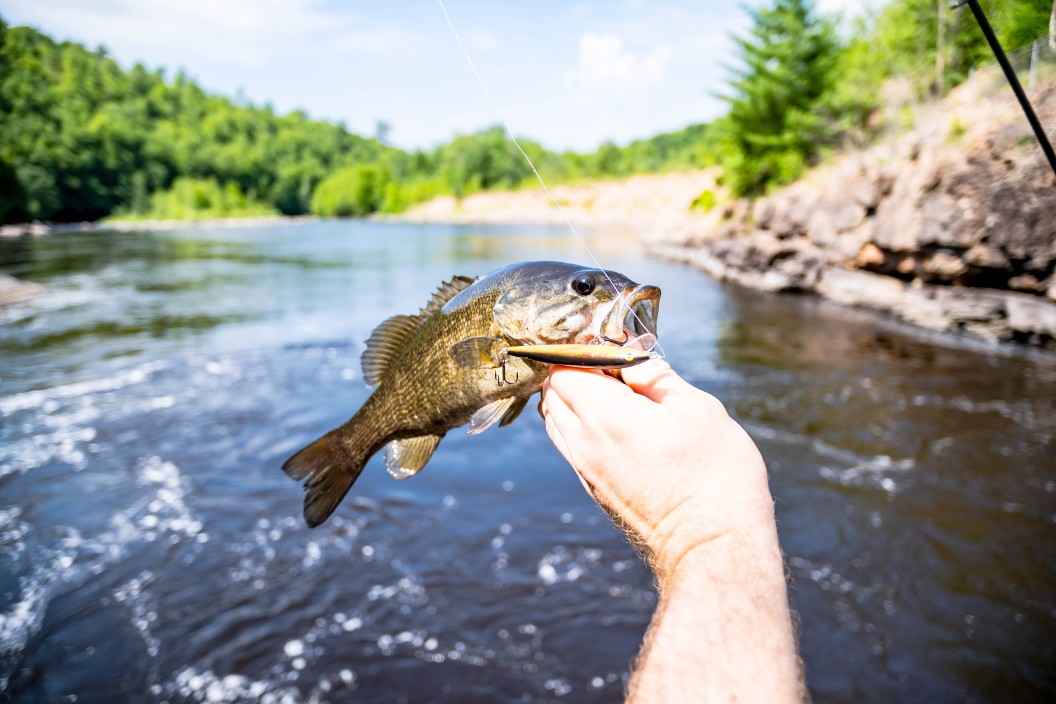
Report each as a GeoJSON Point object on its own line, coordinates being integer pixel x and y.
{"type": "Point", "coordinates": [569, 75]}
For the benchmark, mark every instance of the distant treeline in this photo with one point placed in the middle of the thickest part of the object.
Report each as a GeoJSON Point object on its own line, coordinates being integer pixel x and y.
{"type": "Point", "coordinates": [81, 138]}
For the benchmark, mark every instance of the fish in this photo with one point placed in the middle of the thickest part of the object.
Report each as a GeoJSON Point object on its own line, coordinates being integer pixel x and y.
{"type": "Point", "coordinates": [449, 365]}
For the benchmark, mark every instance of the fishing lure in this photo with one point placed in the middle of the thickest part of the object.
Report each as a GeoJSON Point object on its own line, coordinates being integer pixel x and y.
{"type": "Point", "coordinates": [595, 356]}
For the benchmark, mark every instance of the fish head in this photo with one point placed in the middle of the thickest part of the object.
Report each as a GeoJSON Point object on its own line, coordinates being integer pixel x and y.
{"type": "Point", "coordinates": [557, 303]}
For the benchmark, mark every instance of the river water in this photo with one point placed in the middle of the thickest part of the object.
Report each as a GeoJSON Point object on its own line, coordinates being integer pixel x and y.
{"type": "Point", "coordinates": [152, 550]}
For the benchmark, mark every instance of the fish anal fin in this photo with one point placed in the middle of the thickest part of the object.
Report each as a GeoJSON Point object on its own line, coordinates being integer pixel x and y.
{"type": "Point", "coordinates": [478, 352]}
{"type": "Point", "coordinates": [385, 343]}
{"type": "Point", "coordinates": [405, 458]}
{"type": "Point", "coordinates": [513, 411]}
{"type": "Point", "coordinates": [330, 468]}
{"type": "Point", "coordinates": [490, 414]}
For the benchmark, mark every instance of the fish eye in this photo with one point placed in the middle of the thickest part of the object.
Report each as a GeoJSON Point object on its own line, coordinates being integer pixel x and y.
{"type": "Point", "coordinates": [583, 284]}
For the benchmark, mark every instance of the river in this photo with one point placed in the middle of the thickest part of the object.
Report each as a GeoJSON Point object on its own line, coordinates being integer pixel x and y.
{"type": "Point", "coordinates": [152, 550]}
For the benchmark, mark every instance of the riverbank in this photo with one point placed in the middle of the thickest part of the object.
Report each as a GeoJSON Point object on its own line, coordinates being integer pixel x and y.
{"type": "Point", "coordinates": [651, 205]}
{"type": "Point", "coordinates": [37, 229]}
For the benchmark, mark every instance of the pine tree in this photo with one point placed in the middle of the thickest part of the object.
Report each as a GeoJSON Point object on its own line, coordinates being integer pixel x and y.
{"type": "Point", "coordinates": [775, 126]}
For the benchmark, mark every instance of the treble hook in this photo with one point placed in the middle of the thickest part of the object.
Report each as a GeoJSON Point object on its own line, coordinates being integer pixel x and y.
{"type": "Point", "coordinates": [502, 378]}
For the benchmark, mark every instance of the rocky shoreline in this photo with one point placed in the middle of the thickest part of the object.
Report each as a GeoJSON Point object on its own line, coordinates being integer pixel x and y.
{"type": "Point", "coordinates": [950, 228]}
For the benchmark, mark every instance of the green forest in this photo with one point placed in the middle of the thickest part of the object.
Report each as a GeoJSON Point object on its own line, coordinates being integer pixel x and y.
{"type": "Point", "coordinates": [82, 138]}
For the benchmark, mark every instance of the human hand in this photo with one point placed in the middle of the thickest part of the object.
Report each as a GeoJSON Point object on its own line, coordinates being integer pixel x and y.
{"type": "Point", "coordinates": [661, 456]}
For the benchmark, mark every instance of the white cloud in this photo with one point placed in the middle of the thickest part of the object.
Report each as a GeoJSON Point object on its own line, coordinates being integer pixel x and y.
{"type": "Point", "coordinates": [604, 63]}
{"type": "Point", "coordinates": [249, 33]}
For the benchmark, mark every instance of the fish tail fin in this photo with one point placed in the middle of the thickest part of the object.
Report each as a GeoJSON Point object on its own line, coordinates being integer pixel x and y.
{"type": "Point", "coordinates": [330, 466]}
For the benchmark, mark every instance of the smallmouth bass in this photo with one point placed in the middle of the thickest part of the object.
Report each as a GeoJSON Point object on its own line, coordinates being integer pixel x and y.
{"type": "Point", "coordinates": [448, 365]}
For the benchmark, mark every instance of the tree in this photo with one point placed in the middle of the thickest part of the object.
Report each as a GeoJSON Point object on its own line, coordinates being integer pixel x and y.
{"type": "Point", "coordinates": [775, 125]}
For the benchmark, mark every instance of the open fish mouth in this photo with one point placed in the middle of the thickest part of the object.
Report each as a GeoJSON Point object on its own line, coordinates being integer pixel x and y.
{"type": "Point", "coordinates": [632, 320]}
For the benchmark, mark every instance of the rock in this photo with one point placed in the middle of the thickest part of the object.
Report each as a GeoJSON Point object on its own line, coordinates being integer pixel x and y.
{"type": "Point", "coordinates": [866, 192]}
{"type": "Point", "coordinates": [1026, 282]}
{"type": "Point", "coordinates": [1031, 317]}
{"type": "Point", "coordinates": [790, 215]}
{"type": "Point", "coordinates": [13, 290]}
{"type": "Point", "coordinates": [944, 266]}
{"type": "Point", "coordinates": [898, 221]}
{"type": "Point", "coordinates": [869, 257]}
{"type": "Point", "coordinates": [762, 213]}
{"type": "Point", "coordinates": [907, 265]}
{"type": "Point", "coordinates": [985, 256]}
{"type": "Point", "coordinates": [848, 244]}
{"type": "Point", "coordinates": [849, 216]}
{"type": "Point", "coordinates": [858, 288]}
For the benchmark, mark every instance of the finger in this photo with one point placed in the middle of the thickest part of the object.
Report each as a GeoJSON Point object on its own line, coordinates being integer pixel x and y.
{"type": "Point", "coordinates": [559, 442]}
{"type": "Point", "coordinates": [588, 393]}
{"type": "Point", "coordinates": [554, 431]}
{"type": "Point", "coordinates": [656, 380]}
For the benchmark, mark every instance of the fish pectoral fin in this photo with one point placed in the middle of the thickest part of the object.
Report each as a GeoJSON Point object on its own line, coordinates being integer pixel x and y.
{"type": "Point", "coordinates": [513, 411]}
{"type": "Point", "coordinates": [490, 415]}
{"type": "Point", "coordinates": [478, 352]}
{"type": "Point", "coordinates": [405, 458]}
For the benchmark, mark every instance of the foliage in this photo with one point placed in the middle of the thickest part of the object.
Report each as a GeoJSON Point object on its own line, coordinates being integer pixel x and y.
{"type": "Point", "coordinates": [775, 123]}
{"type": "Point", "coordinates": [356, 190]}
{"type": "Point", "coordinates": [801, 88]}
{"type": "Point", "coordinates": [198, 199]}
{"type": "Point", "coordinates": [81, 138]}
{"type": "Point", "coordinates": [903, 39]}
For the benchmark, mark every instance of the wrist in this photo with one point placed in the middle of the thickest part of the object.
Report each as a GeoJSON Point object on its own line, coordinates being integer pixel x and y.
{"type": "Point", "coordinates": [729, 550]}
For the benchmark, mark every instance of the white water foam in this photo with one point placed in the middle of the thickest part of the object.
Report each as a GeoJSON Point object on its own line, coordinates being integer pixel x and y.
{"type": "Point", "coordinates": [48, 569]}
{"type": "Point", "coordinates": [34, 399]}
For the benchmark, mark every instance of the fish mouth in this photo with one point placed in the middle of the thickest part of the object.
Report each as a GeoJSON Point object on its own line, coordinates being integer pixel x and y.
{"type": "Point", "coordinates": [632, 320]}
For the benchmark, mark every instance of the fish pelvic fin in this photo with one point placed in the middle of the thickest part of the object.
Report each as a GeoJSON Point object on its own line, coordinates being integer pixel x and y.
{"type": "Point", "coordinates": [491, 414]}
{"type": "Point", "coordinates": [513, 411]}
{"type": "Point", "coordinates": [329, 467]}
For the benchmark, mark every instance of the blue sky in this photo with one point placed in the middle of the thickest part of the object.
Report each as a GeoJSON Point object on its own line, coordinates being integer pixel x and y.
{"type": "Point", "coordinates": [568, 74]}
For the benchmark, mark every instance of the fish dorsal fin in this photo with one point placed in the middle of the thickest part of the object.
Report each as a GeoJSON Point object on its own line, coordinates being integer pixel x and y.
{"type": "Point", "coordinates": [385, 343]}
{"type": "Point", "coordinates": [445, 293]}
{"type": "Point", "coordinates": [489, 415]}
{"type": "Point", "coordinates": [404, 458]}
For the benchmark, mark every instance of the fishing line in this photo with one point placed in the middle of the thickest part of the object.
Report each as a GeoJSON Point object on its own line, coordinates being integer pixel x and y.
{"type": "Point", "coordinates": [513, 138]}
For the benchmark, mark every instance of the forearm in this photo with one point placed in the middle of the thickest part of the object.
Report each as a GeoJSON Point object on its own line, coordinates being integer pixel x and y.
{"type": "Point", "coordinates": [723, 629]}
